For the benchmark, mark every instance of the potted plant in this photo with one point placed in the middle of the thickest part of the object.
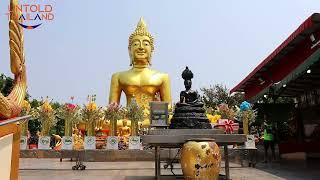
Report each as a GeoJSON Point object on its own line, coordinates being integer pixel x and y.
{"type": "Point", "coordinates": [70, 113]}
{"type": "Point", "coordinates": [90, 113]}
{"type": "Point", "coordinates": [46, 115]}
{"type": "Point", "coordinates": [114, 112]}
{"type": "Point", "coordinates": [135, 114]}
{"type": "Point", "coordinates": [26, 107]}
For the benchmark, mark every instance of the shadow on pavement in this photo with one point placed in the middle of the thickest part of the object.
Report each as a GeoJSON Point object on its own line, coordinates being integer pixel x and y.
{"type": "Point", "coordinates": [292, 169]}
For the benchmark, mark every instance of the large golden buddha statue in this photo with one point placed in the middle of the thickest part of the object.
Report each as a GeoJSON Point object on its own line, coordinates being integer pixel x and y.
{"type": "Point", "coordinates": [140, 82]}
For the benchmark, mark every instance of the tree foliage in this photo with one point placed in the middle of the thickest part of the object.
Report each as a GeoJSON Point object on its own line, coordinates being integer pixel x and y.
{"type": "Point", "coordinates": [6, 84]}
{"type": "Point", "coordinates": [275, 100]}
{"type": "Point", "coordinates": [218, 94]}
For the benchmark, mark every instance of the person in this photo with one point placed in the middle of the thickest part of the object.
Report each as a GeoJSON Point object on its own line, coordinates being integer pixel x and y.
{"type": "Point", "coordinates": [268, 138]}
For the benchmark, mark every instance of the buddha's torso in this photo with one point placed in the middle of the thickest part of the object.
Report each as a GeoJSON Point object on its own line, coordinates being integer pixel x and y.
{"type": "Point", "coordinates": [77, 138]}
{"type": "Point", "coordinates": [141, 84]}
{"type": "Point", "coordinates": [188, 96]}
{"type": "Point", "coordinates": [125, 131]}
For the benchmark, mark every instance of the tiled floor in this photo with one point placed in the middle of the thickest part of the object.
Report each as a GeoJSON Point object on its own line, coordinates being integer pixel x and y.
{"type": "Point", "coordinates": [41, 169]}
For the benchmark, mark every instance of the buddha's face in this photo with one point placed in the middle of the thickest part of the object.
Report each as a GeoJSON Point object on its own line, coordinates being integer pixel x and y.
{"type": "Point", "coordinates": [124, 123]}
{"type": "Point", "coordinates": [140, 50]}
{"type": "Point", "coordinates": [187, 84]}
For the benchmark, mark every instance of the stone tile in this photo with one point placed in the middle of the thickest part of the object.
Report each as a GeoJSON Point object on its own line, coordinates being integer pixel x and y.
{"type": "Point", "coordinates": [53, 169]}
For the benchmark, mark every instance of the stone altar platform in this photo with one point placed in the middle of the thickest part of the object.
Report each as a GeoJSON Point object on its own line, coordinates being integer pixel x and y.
{"type": "Point", "coordinates": [99, 155]}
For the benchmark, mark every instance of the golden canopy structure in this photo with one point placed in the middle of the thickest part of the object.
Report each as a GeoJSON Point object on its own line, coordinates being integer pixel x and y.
{"type": "Point", "coordinates": [140, 82]}
{"type": "Point", "coordinates": [10, 106]}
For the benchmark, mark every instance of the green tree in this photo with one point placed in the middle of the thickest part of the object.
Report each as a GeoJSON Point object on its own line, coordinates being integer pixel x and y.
{"type": "Point", "coordinates": [56, 105]}
{"type": "Point", "coordinates": [6, 84]}
{"type": "Point", "coordinates": [217, 94]}
{"type": "Point", "coordinates": [35, 103]}
{"type": "Point", "coordinates": [275, 100]}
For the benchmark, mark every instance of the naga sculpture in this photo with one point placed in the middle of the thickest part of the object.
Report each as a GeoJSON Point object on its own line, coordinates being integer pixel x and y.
{"type": "Point", "coordinates": [10, 106]}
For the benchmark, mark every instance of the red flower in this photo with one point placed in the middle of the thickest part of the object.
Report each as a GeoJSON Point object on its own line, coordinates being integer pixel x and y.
{"type": "Point", "coordinates": [71, 107]}
{"type": "Point", "coordinates": [114, 107]}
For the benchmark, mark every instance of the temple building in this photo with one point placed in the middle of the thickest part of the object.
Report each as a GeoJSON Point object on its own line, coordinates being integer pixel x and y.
{"type": "Point", "coordinates": [292, 70]}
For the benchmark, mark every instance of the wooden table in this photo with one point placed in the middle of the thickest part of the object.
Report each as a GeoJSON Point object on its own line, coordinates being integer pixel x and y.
{"type": "Point", "coordinates": [177, 141]}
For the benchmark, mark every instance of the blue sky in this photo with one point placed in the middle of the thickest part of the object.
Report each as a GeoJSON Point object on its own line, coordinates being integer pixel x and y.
{"type": "Point", "coordinates": [220, 41]}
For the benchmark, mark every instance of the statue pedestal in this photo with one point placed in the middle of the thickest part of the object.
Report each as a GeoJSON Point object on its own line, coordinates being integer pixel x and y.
{"type": "Point", "coordinates": [10, 148]}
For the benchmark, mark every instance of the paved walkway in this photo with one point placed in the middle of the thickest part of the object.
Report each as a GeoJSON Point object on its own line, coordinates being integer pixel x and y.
{"type": "Point", "coordinates": [41, 169]}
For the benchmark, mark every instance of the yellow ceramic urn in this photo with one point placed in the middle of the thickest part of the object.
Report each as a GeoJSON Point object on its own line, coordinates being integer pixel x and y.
{"type": "Point", "coordinates": [200, 160]}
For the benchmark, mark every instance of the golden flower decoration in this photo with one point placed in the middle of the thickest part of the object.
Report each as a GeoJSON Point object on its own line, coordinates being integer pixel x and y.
{"type": "Point", "coordinates": [213, 118]}
{"type": "Point", "coordinates": [91, 106]}
{"type": "Point", "coordinates": [46, 107]}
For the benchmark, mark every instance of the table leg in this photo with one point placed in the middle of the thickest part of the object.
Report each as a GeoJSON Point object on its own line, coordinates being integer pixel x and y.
{"type": "Point", "coordinates": [157, 162]}
{"type": "Point", "coordinates": [226, 161]}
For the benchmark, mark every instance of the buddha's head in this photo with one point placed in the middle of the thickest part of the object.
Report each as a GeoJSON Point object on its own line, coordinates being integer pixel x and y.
{"type": "Point", "coordinates": [140, 46]}
{"type": "Point", "coordinates": [76, 131]}
{"type": "Point", "coordinates": [187, 75]}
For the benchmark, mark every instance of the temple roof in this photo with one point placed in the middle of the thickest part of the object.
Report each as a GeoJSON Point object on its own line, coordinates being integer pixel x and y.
{"type": "Point", "coordinates": [288, 62]}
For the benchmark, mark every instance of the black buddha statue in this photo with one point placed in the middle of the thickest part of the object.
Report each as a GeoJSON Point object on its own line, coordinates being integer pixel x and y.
{"type": "Point", "coordinates": [189, 113]}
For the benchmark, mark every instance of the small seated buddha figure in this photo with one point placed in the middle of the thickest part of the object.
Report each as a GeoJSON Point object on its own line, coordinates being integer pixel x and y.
{"type": "Point", "coordinates": [189, 97]}
{"type": "Point", "coordinates": [77, 139]}
{"type": "Point", "coordinates": [189, 113]}
{"type": "Point", "coordinates": [125, 131]}
{"type": "Point", "coordinates": [140, 82]}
